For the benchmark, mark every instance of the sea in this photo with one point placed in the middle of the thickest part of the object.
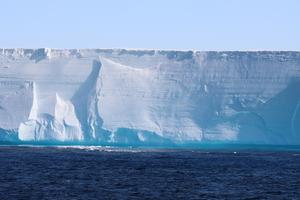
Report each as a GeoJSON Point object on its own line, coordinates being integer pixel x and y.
{"type": "Point", "coordinates": [101, 172]}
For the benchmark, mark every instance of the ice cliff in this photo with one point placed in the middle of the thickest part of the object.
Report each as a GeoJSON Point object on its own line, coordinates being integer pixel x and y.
{"type": "Point", "coordinates": [149, 97]}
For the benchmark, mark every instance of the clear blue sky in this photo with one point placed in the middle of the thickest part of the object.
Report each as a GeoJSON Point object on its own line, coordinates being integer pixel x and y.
{"type": "Point", "coordinates": [147, 24]}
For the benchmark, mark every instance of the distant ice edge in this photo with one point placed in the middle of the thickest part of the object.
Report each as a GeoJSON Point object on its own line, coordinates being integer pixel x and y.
{"type": "Point", "coordinates": [151, 97]}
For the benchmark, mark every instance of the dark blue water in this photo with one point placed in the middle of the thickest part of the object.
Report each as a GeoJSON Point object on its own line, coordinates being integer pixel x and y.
{"type": "Point", "coordinates": [100, 173]}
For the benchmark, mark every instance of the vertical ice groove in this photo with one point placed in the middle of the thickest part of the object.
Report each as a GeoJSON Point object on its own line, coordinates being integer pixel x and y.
{"type": "Point", "coordinates": [34, 108]}
{"type": "Point", "coordinates": [85, 101]}
{"type": "Point", "coordinates": [50, 119]}
{"type": "Point", "coordinates": [294, 119]}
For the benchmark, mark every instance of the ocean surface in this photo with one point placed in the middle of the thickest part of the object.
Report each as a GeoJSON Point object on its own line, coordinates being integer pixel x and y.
{"type": "Point", "coordinates": [39, 172]}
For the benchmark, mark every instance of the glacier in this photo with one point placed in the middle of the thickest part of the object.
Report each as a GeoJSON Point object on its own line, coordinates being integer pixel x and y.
{"type": "Point", "coordinates": [149, 97]}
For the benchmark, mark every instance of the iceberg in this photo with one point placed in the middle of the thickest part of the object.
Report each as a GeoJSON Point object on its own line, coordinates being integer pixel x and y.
{"type": "Point", "coordinates": [149, 97]}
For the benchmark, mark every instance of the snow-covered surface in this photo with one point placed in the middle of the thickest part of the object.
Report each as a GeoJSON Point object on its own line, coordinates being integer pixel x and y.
{"type": "Point", "coordinates": [149, 96]}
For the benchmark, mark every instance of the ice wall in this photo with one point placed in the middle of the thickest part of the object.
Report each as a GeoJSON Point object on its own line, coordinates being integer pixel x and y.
{"type": "Point", "coordinates": [152, 97]}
